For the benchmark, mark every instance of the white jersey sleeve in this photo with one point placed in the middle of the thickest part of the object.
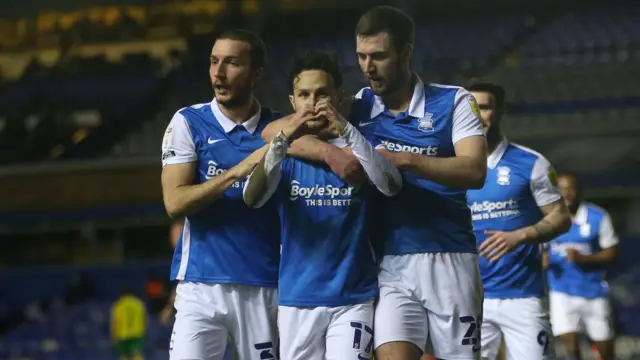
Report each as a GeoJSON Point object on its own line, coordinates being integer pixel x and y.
{"type": "Point", "coordinates": [177, 144]}
{"type": "Point", "coordinates": [273, 159]}
{"type": "Point", "coordinates": [544, 185]}
{"type": "Point", "coordinates": [607, 235]}
{"type": "Point", "coordinates": [381, 171]}
{"type": "Point", "coordinates": [466, 117]}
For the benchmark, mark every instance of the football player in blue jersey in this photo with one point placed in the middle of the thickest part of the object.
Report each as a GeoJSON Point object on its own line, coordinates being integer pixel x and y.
{"type": "Point", "coordinates": [430, 289]}
{"type": "Point", "coordinates": [328, 274]}
{"type": "Point", "coordinates": [518, 209]}
{"type": "Point", "coordinates": [434, 135]}
{"type": "Point", "coordinates": [226, 261]}
{"type": "Point", "coordinates": [576, 263]}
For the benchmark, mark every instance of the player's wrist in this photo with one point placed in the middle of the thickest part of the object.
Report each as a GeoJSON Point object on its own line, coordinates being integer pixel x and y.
{"type": "Point", "coordinates": [287, 134]}
{"type": "Point", "coordinates": [279, 146]}
{"type": "Point", "coordinates": [235, 173]}
{"type": "Point", "coordinates": [405, 160]}
{"type": "Point", "coordinates": [582, 258]}
{"type": "Point", "coordinates": [344, 128]}
{"type": "Point", "coordinates": [522, 237]}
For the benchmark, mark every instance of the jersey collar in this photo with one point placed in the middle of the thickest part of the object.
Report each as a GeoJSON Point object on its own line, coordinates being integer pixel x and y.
{"type": "Point", "coordinates": [496, 155]}
{"type": "Point", "coordinates": [416, 107]}
{"type": "Point", "coordinates": [581, 214]}
{"type": "Point", "coordinates": [227, 124]}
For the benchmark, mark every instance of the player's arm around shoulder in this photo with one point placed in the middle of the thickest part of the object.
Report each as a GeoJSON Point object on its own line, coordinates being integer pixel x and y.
{"type": "Point", "coordinates": [179, 155]}
{"type": "Point", "coordinates": [308, 148]}
{"type": "Point", "coordinates": [468, 168]}
{"type": "Point", "coordinates": [381, 171]}
{"type": "Point", "coordinates": [312, 148]}
{"type": "Point", "coordinates": [265, 177]}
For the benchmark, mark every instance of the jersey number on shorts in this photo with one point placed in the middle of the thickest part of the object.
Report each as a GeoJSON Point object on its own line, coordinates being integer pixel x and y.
{"type": "Point", "coordinates": [266, 350]}
{"type": "Point", "coordinates": [543, 340]}
{"type": "Point", "coordinates": [472, 336]}
{"type": "Point", "coordinates": [357, 337]}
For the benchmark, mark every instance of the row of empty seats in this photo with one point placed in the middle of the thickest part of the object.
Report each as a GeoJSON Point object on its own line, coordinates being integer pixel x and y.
{"type": "Point", "coordinates": [460, 38]}
{"type": "Point", "coordinates": [79, 332]}
{"type": "Point", "coordinates": [602, 29]}
{"type": "Point", "coordinates": [552, 81]}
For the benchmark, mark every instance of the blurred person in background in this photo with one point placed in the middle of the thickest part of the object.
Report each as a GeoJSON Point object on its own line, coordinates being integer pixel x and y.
{"type": "Point", "coordinates": [156, 291]}
{"type": "Point", "coordinates": [519, 208]}
{"type": "Point", "coordinates": [576, 264]}
{"type": "Point", "coordinates": [226, 261]}
{"type": "Point", "coordinates": [328, 275]}
{"type": "Point", "coordinates": [129, 326]}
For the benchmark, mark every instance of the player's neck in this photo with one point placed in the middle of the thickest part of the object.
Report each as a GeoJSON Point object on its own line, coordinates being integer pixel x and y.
{"type": "Point", "coordinates": [574, 210]}
{"type": "Point", "coordinates": [241, 113]}
{"type": "Point", "coordinates": [494, 138]}
{"type": "Point", "coordinates": [400, 100]}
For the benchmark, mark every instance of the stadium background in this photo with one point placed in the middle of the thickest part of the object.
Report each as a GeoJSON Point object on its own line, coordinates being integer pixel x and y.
{"type": "Point", "coordinates": [88, 87]}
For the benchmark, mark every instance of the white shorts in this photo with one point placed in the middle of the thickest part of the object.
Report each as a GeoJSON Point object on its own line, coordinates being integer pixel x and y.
{"type": "Point", "coordinates": [433, 301]}
{"type": "Point", "coordinates": [570, 313]}
{"type": "Point", "coordinates": [331, 333]}
{"type": "Point", "coordinates": [525, 325]}
{"type": "Point", "coordinates": [210, 315]}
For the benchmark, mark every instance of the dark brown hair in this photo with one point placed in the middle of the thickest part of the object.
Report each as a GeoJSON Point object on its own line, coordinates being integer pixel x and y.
{"type": "Point", "coordinates": [257, 50]}
{"type": "Point", "coordinates": [494, 89]}
{"type": "Point", "coordinates": [387, 19]}
{"type": "Point", "coordinates": [318, 60]}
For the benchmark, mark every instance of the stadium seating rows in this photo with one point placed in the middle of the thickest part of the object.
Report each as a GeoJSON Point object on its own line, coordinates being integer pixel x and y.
{"type": "Point", "coordinates": [78, 332]}
{"type": "Point", "coordinates": [587, 30]}
{"type": "Point", "coordinates": [565, 65]}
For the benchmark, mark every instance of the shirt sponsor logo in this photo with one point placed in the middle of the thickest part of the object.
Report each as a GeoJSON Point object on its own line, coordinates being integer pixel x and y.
{"type": "Point", "coordinates": [214, 170]}
{"type": "Point", "coordinates": [561, 249]}
{"type": "Point", "coordinates": [328, 195]}
{"type": "Point", "coordinates": [395, 147]}
{"type": "Point", "coordinates": [493, 209]}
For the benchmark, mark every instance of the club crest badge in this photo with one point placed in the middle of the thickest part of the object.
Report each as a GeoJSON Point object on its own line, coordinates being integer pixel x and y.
{"type": "Point", "coordinates": [503, 176]}
{"type": "Point", "coordinates": [426, 123]}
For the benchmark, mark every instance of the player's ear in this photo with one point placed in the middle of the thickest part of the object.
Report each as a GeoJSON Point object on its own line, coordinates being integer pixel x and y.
{"type": "Point", "coordinates": [405, 55]}
{"type": "Point", "coordinates": [292, 101]}
{"type": "Point", "coordinates": [502, 110]}
{"type": "Point", "coordinates": [258, 73]}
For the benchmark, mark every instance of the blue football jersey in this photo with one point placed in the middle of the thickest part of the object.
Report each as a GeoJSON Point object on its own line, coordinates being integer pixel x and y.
{"type": "Point", "coordinates": [228, 242]}
{"type": "Point", "coordinates": [425, 216]}
{"type": "Point", "coordinates": [519, 181]}
{"type": "Point", "coordinates": [591, 231]}
{"type": "Point", "coordinates": [327, 258]}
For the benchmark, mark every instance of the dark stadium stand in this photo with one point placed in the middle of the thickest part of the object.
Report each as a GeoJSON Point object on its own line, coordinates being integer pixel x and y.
{"type": "Point", "coordinates": [77, 332]}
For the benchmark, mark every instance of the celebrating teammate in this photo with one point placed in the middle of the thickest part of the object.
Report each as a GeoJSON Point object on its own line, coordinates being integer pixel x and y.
{"type": "Point", "coordinates": [228, 255]}
{"type": "Point", "coordinates": [328, 276]}
{"type": "Point", "coordinates": [518, 209]}
{"type": "Point", "coordinates": [429, 282]}
{"type": "Point", "coordinates": [576, 263]}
